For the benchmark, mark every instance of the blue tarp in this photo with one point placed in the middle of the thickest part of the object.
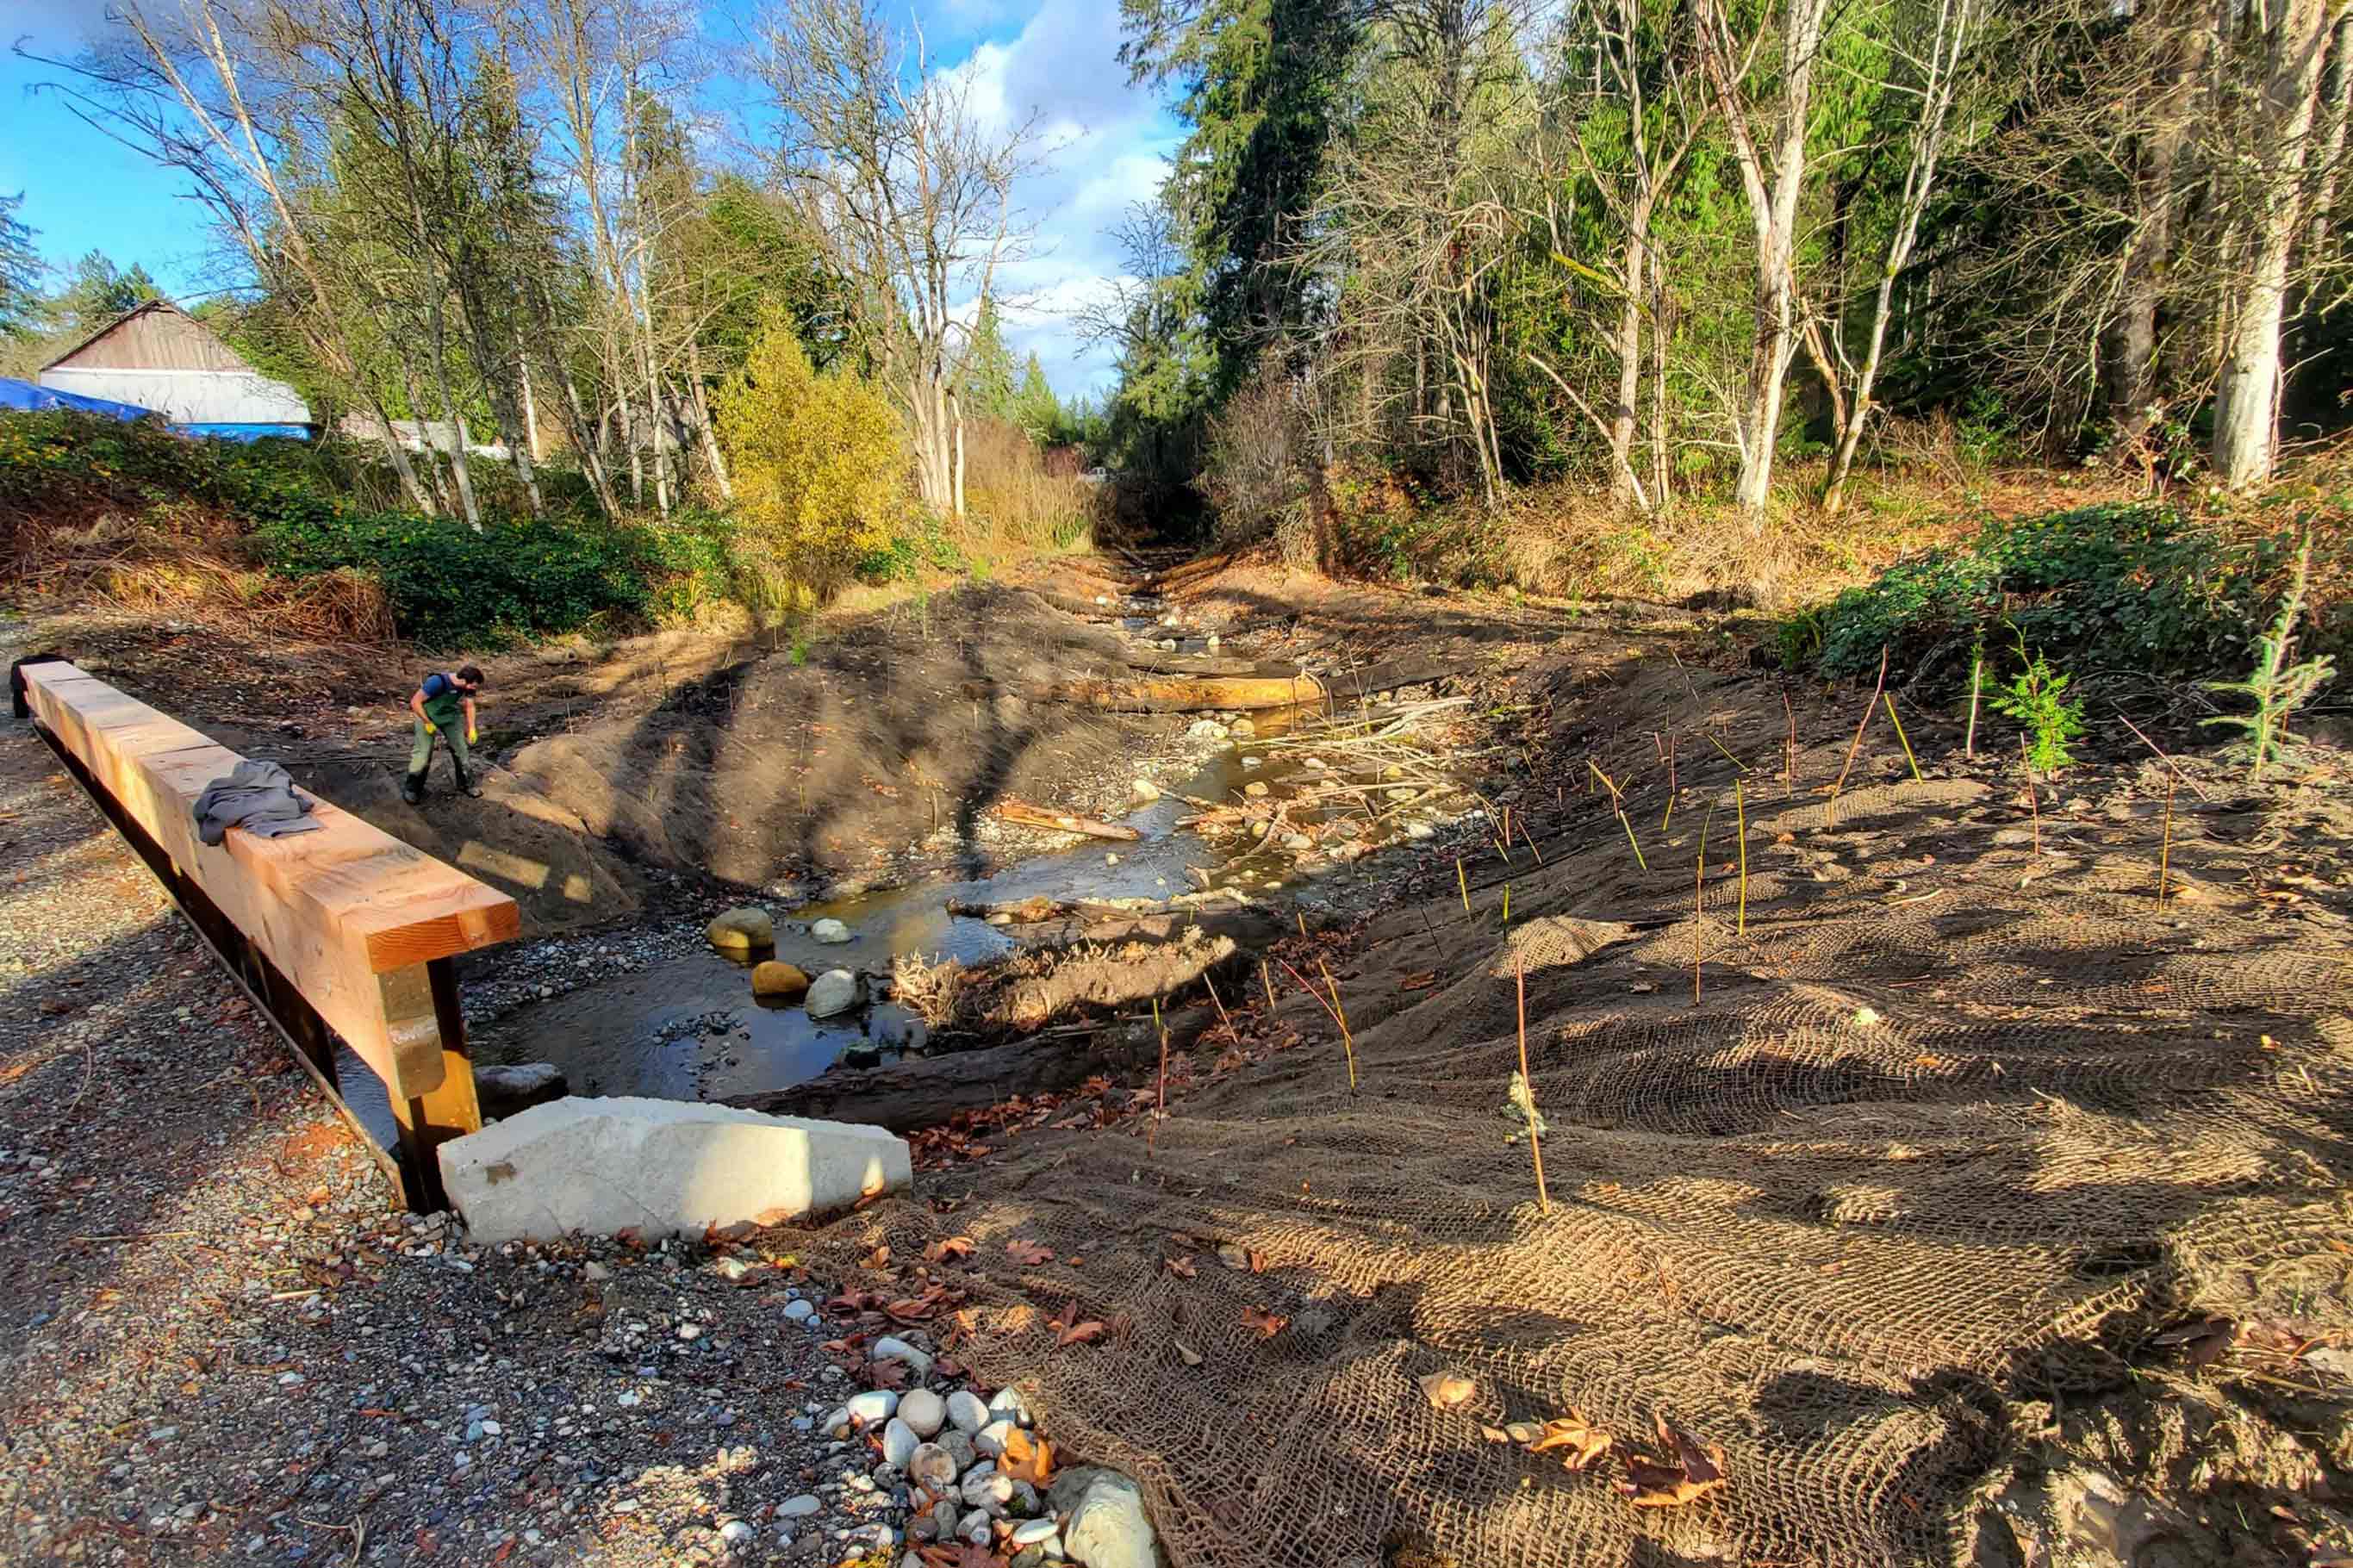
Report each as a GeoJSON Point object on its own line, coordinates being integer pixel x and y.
{"type": "Point", "coordinates": [244, 431]}
{"type": "Point", "coordinates": [25, 397]}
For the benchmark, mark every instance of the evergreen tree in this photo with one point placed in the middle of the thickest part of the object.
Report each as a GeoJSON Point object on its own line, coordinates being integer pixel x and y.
{"type": "Point", "coordinates": [1034, 407]}
{"type": "Point", "coordinates": [20, 272]}
{"type": "Point", "coordinates": [986, 377]}
{"type": "Point", "coordinates": [100, 291]}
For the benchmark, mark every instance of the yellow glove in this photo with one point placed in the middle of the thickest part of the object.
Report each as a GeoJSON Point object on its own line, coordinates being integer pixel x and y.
{"type": "Point", "coordinates": [429, 728]}
{"type": "Point", "coordinates": [470, 734]}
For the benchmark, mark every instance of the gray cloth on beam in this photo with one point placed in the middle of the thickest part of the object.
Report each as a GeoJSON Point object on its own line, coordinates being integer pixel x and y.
{"type": "Point", "coordinates": [257, 796]}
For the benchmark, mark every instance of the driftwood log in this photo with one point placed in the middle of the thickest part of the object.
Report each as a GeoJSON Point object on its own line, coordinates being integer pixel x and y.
{"type": "Point", "coordinates": [1250, 693]}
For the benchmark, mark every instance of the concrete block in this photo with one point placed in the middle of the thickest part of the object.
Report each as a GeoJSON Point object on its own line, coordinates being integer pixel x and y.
{"type": "Point", "coordinates": [660, 1167]}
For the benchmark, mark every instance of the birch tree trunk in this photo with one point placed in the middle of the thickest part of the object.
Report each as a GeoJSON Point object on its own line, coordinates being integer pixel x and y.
{"type": "Point", "coordinates": [1773, 207]}
{"type": "Point", "coordinates": [2246, 403]}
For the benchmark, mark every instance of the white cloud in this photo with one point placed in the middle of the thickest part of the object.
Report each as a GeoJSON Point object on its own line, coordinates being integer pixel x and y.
{"type": "Point", "coordinates": [1108, 146]}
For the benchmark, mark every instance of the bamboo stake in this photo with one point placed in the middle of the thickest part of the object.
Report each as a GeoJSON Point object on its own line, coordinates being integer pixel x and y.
{"type": "Point", "coordinates": [1699, 899]}
{"type": "Point", "coordinates": [1789, 748]}
{"type": "Point", "coordinates": [1223, 1017]}
{"type": "Point", "coordinates": [1535, 1148]}
{"type": "Point", "coordinates": [1877, 688]}
{"type": "Point", "coordinates": [2174, 766]}
{"type": "Point", "coordinates": [1616, 800]}
{"type": "Point", "coordinates": [1977, 681]}
{"type": "Point", "coordinates": [2165, 847]}
{"type": "Point", "coordinates": [1727, 756]}
{"type": "Point", "coordinates": [1268, 981]}
{"type": "Point", "coordinates": [1347, 1040]}
{"type": "Point", "coordinates": [1507, 903]}
{"type": "Point", "coordinates": [1529, 839]}
{"type": "Point", "coordinates": [1160, 1109]}
{"type": "Point", "coordinates": [1463, 883]}
{"type": "Point", "coordinates": [1889, 697]}
{"type": "Point", "coordinates": [1740, 806]}
{"type": "Point", "coordinates": [2033, 801]}
{"type": "Point", "coordinates": [1672, 790]}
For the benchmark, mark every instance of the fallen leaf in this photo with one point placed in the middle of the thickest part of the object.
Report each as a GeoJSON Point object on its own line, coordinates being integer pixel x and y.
{"type": "Point", "coordinates": [1445, 1390]}
{"type": "Point", "coordinates": [1180, 1267]}
{"type": "Point", "coordinates": [1691, 1471]}
{"type": "Point", "coordinates": [1187, 1354]}
{"type": "Point", "coordinates": [1267, 1323]}
{"type": "Point", "coordinates": [1256, 1262]}
{"type": "Point", "coordinates": [878, 1259]}
{"type": "Point", "coordinates": [954, 1248]}
{"type": "Point", "coordinates": [1573, 1432]}
{"type": "Point", "coordinates": [1232, 1256]}
{"type": "Point", "coordinates": [1081, 1333]}
{"type": "Point", "coordinates": [1494, 1434]}
{"type": "Point", "coordinates": [1027, 1458]}
{"type": "Point", "coordinates": [1028, 1254]}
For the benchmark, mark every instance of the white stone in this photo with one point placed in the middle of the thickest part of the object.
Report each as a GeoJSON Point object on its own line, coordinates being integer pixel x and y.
{"type": "Point", "coordinates": [932, 1466]}
{"type": "Point", "coordinates": [1146, 789]}
{"type": "Point", "coordinates": [873, 1407]}
{"type": "Point", "coordinates": [987, 1491]}
{"type": "Point", "coordinates": [1036, 1532]}
{"type": "Point", "coordinates": [661, 1167]}
{"type": "Point", "coordinates": [967, 1411]}
{"type": "Point", "coordinates": [976, 1528]}
{"type": "Point", "coordinates": [899, 1444]}
{"type": "Point", "coordinates": [1107, 1527]}
{"type": "Point", "coordinates": [1206, 730]}
{"type": "Point", "coordinates": [835, 991]}
{"type": "Point", "coordinates": [923, 1411]}
{"type": "Point", "coordinates": [1008, 1402]}
{"type": "Point", "coordinates": [736, 1532]}
{"type": "Point", "coordinates": [799, 1507]}
{"type": "Point", "coordinates": [892, 1348]}
{"type": "Point", "coordinates": [831, 931]}
{"type": "Point", "coordinates": [991, 1439]}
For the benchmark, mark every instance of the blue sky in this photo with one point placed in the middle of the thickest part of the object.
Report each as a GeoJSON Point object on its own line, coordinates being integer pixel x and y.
{"type": "Point", "coordinates": [1109, 142]}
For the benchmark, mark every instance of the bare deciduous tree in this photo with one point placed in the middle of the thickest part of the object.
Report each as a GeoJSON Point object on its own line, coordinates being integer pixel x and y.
{"type": "Point", "coordinates": [911, 190]}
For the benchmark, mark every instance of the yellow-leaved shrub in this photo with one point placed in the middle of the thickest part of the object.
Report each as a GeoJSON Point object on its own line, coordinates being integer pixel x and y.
{"type": "Point", "coordinates": [817, 463]}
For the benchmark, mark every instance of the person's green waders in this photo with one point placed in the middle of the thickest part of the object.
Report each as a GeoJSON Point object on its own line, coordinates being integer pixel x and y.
{"type": "Point", "coordinates": [444, 707]}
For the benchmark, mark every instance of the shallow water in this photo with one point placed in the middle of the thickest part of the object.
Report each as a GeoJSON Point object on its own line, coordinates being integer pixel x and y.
{"type": "Point", "coordinates": [689, 1027]}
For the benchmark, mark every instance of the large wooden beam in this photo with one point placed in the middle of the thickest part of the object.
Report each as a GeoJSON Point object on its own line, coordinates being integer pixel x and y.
{"type": "Point", "coordinates": [358, 924]}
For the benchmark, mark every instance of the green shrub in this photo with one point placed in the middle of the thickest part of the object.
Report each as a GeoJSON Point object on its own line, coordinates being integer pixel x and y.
{"type": "Point", "coordinates": [2037, 698]}
{"type": "Point", "coordinates": [2133, 585]}
{"type": "Point", "coordinates": [450, 585]}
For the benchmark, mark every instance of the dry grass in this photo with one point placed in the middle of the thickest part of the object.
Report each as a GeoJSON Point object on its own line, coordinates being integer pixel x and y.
{"type": "Point", "coordinates": [190, 572]}
{"type": "Point", "coordinates": [930, 989]}
{"type": "Point", "coordinates": [1021, 500]}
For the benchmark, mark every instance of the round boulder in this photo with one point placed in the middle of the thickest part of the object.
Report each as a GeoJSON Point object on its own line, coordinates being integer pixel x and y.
{"type": "Point", "coordinates": [835, 991]}
{"type": "Point", "coordinates": [782, 982]}
{"type": "Point", "coordinates": [831, 931]}
{"type": "Point", "coordinates": [742, 931]}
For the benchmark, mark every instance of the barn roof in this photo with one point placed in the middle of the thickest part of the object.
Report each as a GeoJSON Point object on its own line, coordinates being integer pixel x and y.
{"type": "Point", "coordinates": [190, 338]}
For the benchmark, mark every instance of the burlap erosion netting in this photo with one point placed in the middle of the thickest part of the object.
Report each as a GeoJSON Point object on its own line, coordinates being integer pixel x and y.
{"type": "Point", "coordinates": [1949, 1128]}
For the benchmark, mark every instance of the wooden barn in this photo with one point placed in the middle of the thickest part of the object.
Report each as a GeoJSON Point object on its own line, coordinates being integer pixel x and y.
{"type": "Point", "coordinates": [160, 357]}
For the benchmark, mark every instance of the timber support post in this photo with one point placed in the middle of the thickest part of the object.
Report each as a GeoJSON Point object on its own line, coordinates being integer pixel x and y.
{"type": "Point", "coordinates": [344, 932]}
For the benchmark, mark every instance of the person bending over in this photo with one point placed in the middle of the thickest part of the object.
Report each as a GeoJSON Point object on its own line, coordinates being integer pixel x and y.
{"type": "Point", "coordinates": [440, 704]}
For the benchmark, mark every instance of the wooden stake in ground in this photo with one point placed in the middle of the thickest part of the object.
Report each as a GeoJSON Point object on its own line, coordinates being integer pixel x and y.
{"type": "Point", "coordinates": [1699, 903]}
{"type": "Point", "coordinates": [1877, 687]}
{"type": "Point", "coordinates": [1340, 1012]}
{"type": "Point", "coordinates": [1223, 1018]}
{"type": "Point", "coordinates": [1160, 1107]}
{"type": "Point", "coordinates": [1463, 883]}
{"type": "Point", "coordinates": [1535, 1146]}
{"type": "Point", "coordinates": [1790, 747]}
{"type": "Point", "coordinates": [1507, 903]}
{"type": "Point", "coordinates": [1617, 804]}
{"type": "Point", "coordinates": [1977, 681]}
{"type": "Point", "coordinates": [1889, 697]}
{"type": "Point", "coordinates": [1672, 789]}
{"type": "Point", "coordinates": [1529, 839]}
{"type": "Point", "coordinates": [2165, 845]}
{"type": "Point", "coordinates": [1268, 981]}
{"type": "Point", "coordinates": [1740, 808]}
{"type": "Point", "coordinates": [2033, 801]}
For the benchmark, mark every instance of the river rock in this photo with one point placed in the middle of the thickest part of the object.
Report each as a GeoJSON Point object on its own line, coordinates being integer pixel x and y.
{"type": "Point", "coordinates": [661, 1167]}
{"type": "Point", "coordinates": [1206, 730]}
{"type": "Point", "coordinates": [1007, 1402]}
{"type": "Point", "coordinates": [987, 1491]}
{"type": "Point", "coordinates": [991, 1439]}
{"type": "Point", "coordinates": [899, 1444]}
{"type": "Point", "coordinates": [799, 1507]}
{"type": "Point", "coordinates": [832, 933]}
{"type": "Point", "coordinates": [923, 1411]}
{"type": "Point", "coordinates": [1107, 1527]}
{"type": "Point", "coordinates": [512, 1087]}
{"type": "Point", "coordinates": [870, 1408]}
{"type": "Point", "coordinates": [1145, 790]}
{"type": "Point", "coordinates": [780, 981]}
{"type": "Point", "coordinates": [835, 991]}
{"type": "Point", "coordinates": [1242, 727]}
{"type": "Point", "coordinates": [959, 1448]}
{"type": "Point", "coordinates": [738, 931]}
{"type": "Point", "coordinates": [1254, 789]}
{"type": "Point", "coordinates": [934, 1468]}
{"type": "Point", "coordinates": [892, 1348]}
{"type": "Point", "coordinates": [967, 1412]}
